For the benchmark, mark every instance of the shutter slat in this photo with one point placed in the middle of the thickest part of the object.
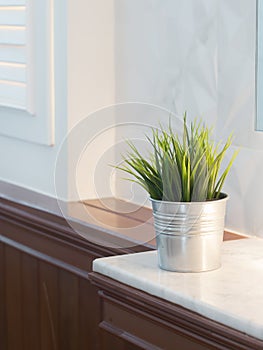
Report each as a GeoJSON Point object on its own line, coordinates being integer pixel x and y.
{"type": "Point", "coordinates": [12, 2]}
{"type": "Point", "coordinates": [12, 16]}
{"type": "Point", "coordinates": [12, 53]}
{"type": "Point", "coordinates": [13, 94]}
{"type": "Point", "coordinates": [13, 72]}
{"type": "Point", "coordinates": [12, 35]}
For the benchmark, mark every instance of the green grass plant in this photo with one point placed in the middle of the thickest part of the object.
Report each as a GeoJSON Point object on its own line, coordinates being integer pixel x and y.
{"type": "Point", "coordinates": [186, 169]}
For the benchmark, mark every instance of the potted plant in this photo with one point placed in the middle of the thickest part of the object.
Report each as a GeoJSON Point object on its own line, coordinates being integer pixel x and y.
{"type": "Point", "coordinates": [184, 180]}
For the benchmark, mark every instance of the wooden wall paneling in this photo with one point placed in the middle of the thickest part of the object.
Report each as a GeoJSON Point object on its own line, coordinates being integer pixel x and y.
{"type": "Point", "coordinates": [68, 311]}
{"type": "Point", "coordinates": [51, 303]}
{"type": "Point", "coordinates": [48, 244]}
{"type": "Point", "coordinates": [13, 292]}
{"type": "Point", "coordinates": [3, 330]}
{"type": "Point", "coordinates": [30, 301]}
{"type": "Point", "coordinates": [47, 300]}
{"type": "Point", "coordinates": [88, 315]}
{"type": "Point", "coordinates": [49, 296]}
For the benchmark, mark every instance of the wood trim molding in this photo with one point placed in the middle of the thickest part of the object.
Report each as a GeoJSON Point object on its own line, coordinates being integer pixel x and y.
{"type": "Point", "coordinates": [43, 257]}
{"type": "Point", "coordinates": [126, 336]}
{"type": "Point", "coordinates": [46, 232]}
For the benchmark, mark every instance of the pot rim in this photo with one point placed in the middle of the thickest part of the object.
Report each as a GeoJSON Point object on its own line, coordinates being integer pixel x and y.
{"type": "Point", "coordinates": [223, 197]}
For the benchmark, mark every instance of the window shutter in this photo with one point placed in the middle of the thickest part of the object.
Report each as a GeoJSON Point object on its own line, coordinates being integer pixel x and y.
{"type": "Point", "coordinates": [13, 54]}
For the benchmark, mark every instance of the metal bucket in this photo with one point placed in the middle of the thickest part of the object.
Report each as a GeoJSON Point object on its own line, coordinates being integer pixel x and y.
{"type": "Point", "coordinates": [189, 235]}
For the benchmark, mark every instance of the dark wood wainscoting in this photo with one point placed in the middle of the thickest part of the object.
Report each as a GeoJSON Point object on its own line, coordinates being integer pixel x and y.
{"type": "Point", "coordinates": [47, 301]}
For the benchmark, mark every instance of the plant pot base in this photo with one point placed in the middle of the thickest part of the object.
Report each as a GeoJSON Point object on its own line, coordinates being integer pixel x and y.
{"type": "Point", "coordinates": [189, 235]}
{"type": "Point", "coordinates": [189, 253]}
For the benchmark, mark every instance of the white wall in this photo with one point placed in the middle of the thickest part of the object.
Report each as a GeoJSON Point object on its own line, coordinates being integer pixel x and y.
{"type": "Point", "coordinates": [91, 87]}
{"type": "Point", "coordinates": [166, 58]}
{"type": "Point", "coordinates": [236, 112]}
{"type": "Point", "coordinates": [199, 56]}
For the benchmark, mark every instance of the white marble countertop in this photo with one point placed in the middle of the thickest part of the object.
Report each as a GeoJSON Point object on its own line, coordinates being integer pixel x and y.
{"type": "Point", "coordinates": [232, 295]}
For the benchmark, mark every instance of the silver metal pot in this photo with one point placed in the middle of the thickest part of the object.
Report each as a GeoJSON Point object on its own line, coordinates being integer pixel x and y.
{"type": "Point", "coordinates": [189, 235]}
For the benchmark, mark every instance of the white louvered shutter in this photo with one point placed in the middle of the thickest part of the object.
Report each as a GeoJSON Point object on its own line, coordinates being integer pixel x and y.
{"type": "Point", "coordinates": [13, 54]}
